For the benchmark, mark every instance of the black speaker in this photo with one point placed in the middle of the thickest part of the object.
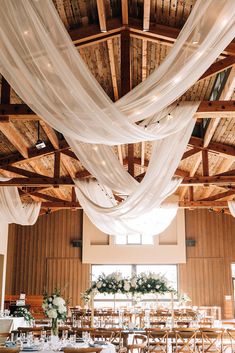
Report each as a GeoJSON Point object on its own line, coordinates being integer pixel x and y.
{"type": "Point", "coordinates": [190, 242]}
{"type": "Point", "coordinates": [76, 243]}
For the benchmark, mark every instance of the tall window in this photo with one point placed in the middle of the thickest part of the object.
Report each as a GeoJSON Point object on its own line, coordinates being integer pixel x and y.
{"type": "Point", "coordinates": [101, 300]}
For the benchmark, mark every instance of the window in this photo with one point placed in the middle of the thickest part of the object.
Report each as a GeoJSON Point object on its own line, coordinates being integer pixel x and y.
{"type": "Point", "coordinates": [101, 300]}
{"type": "Point", "coordinates": [134, 239]}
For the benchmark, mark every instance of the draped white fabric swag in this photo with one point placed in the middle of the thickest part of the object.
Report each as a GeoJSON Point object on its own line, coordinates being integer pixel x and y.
{"type": "Point", "coordinates": [12, 210]}
{"type": "Point", "coordinates": [40, 62]}
{"type": "Point", "coordinates": [231, 206]}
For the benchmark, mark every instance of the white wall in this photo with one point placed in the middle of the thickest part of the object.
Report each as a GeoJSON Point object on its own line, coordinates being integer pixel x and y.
{"type": "Point", "coordinates": [3, 251]}
{"type": "Point", "coordinates": [168, 247]}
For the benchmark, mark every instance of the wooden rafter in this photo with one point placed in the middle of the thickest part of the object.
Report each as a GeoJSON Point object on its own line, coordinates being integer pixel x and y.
{"type": "Point", "coordinates": [220, 195]}
{"type": "Point", "coordinates": [124, 12]}
{"type": "Point", "coordinates": [199, 180]}
{"type": "Point", "coordinates": [218, 66]}
{"type": "Point", "coordinates": [146, 18]}
{"type": "Point", "coordinates": [43, 181]}
{"type": "Point", "coordinates": [7, 128]}
{"type": "Point", "coordinates": [211, 109]}
{"type": "Point", "coordinates": [102, 16]}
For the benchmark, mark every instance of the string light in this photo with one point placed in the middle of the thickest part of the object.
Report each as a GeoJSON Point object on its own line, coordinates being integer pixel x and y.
{"type": "Point", "coordinates": [169, 116]}
{"type": "Point", "coordinates": [196, 38]}
{"type": "Point", "coordinates": [26, 32]}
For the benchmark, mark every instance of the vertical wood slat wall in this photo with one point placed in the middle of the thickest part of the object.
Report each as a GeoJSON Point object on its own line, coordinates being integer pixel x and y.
{"type": "Point", "coordinates": [41, 257]}
{"type": "Point", "coordinates": [206, 276]}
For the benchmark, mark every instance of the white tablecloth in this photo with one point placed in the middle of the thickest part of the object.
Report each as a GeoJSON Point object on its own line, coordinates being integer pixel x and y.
{"type": "Point", "coordinates": [109, 348]}
{"type": "Point", "coordinates": [7, 324]}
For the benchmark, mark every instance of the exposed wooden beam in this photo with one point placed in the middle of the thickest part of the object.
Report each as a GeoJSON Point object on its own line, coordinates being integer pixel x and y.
{"type": "Point", "coordinates": [144, 59]}
{"type": "Point", "coordinates": [131, 166]}
{"type": "Point", "coordinates": [113, 68]}
{"type": "Point", "coordinates": [124, 12]}
{"type": "Point", "coordinates": [8, 129]}
{"type": "Point", "coordinates": [205, 163]}
{"type": "Point", "coordinates": [164, 33]}
{"type": "Point", "coordinates": [229, 172]}
{"type": "Point", "coordinates": [101, 14]}
{"type": "Point", "coordinates": [33, 154]}
{"type": "Point", "coordinates": [190, 193]}
{"type": "Point", "coordinates": [190, 152]}
{"type": "Point", "coordinates": [146, 19]}
{"type": "Point", "coordinates": [23, 172]}
{"type": "Point", "coordinates": [214, 147]}
{"type": "Point", "coordinates": [203, 204]}
{"type": "Point", "coordinates": [44, 181]}
{"type": "Point", "coordinates": [46, 197]}
{"type": "Point", "coordinates": [51, 134]}
{"type": "Point", "coordinates": [56, 164]}
{"type": "Point", "coordinates": [211, 109]}
{"type": "Point", "coordinates": [221, 195]}
{"type": "Point", "coordinates": [198, 180]}
{"type": "Point", "coordinates": [15, 138]}
{"type": "Point", "coordinates": [125, 62]}
{"type": "Point", "coordinates": [61, 204]}
{"type": "Point", "coordinates": [218, 66]}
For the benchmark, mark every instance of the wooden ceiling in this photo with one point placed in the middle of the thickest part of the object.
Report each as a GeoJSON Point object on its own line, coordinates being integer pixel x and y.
{"type": "Point", "coordinates": [122, 42]}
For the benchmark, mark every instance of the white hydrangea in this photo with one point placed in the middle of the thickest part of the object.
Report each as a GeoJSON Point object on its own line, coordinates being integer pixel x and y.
{"type": "Point", "coordinates": [62, 309]}
{"type": "Point", "coordinates": [58, 301]}
{"type": "Point", "coordinates": [52, 314]}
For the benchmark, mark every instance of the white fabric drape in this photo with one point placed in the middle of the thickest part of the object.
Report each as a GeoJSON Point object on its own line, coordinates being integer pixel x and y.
{"type": "Point", "coordinates": [102, 162]}
{"type": "Point", "coordinates": [12, 210]}
{"type": "Point", "coordinates": [40, 62]}
{"type": "Point", "coordinates": [38, 59]}
{"type": "Point", "coordinates": [231, 206]}
{"type": "Point", "coordinates": [108, 218]}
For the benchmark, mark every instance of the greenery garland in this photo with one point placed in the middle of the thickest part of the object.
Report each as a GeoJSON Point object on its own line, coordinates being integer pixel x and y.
{"type": "Point", "coordinates": [136, 285]}
{"type": "Point", "coordinates": [23, 312]}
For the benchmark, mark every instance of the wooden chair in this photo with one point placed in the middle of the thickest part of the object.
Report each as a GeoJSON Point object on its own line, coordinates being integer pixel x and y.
{"type": "Point", "coordinates": [139, 343]}
{"type": "Point", "coordinates": [185, 340]}
{"type": "Point", "coordinates": [113, 336]}
{"type": "Point", "coordinates": [229, 342]}
{"type": "Point", "coordinates": [3, 337]}
{"type": "Point", "coordinates": [211, 340]}
{"type": "Point", "coordinates": [36, 330]}
{"type": "Point", "coordinates": [9, 350]}
{"type": "Point", "coordinates": [157, 340]}
{"type": "Point", "coordinates": [82, 350]}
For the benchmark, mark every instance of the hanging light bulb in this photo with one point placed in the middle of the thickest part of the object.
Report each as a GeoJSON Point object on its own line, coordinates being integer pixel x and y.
{"type": "Point", "coordinates": [196, 38]}
{"type": "Point", "coordinates": [169, 116]}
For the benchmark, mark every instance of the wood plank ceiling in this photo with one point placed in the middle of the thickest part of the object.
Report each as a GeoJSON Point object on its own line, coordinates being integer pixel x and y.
{"type": "Point", "coordinates": [122, 42]}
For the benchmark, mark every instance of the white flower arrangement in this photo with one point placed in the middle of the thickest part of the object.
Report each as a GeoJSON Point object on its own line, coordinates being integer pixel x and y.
{"type": "Point", "coordinates": [135, 285]}
{"type": "Point", "coordinates": [54, 306]}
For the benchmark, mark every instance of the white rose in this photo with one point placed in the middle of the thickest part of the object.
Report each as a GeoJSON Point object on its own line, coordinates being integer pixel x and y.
{"type": "Point", "coordinates": [99, 284]}
{"type": "Point", "coordinates": [133, 282]}
{"type": "Point", "coordinates": [126, 286]}
{"type": "Point", "coordinates": [104, 285]}
{"type": "Point", "coordinates": [50, 299]}
{"type": "Point", "coordinates": [52, 314]}
{"type": "Point", "coordinates": [58, 301]}
{"type": "Point", "coordinates": [148, 286]}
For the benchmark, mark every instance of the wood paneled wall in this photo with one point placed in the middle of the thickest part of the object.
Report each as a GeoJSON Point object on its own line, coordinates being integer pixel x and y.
{"type": "Point", "coordinates": [207, 276]}
{"type": "Point", "coordinates": [41, 257]}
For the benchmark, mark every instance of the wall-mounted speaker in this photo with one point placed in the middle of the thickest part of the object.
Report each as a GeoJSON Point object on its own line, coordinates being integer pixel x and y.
{"type": "Point", "coordinates": [76, 243]}
{"type": "Point", "coordinates": [190, 242]}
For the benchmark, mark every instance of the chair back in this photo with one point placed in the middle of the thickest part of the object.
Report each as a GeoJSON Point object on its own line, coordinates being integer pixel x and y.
{"type": "Point", "coordinates": [185, 339]}
{"type": "Point", "coordinates": [212, 339]}
{"type": "Point", "coordinates": [157, 340]}
{"type": "Point", "coordinates": [81, 350]}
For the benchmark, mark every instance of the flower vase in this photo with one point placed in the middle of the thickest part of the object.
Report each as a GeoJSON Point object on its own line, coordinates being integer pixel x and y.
{"type": "Point", "coordinates": [54, 327]}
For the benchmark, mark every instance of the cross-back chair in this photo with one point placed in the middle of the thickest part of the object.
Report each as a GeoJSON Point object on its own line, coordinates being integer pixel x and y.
{"type": "Point", "coordinates": [184, 340]}
{"type": "Point", "coordinates": [212, 340]}
{"type": "Point", "coordinates": [157, 340]}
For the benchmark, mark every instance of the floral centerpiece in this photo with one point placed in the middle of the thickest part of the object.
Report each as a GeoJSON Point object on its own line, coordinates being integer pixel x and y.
{"type": "Point", "coordinates": [23, 312]}
{"type": "Point", "coordinates": [135, 285]}
{"type": "Point", "coordinates": [55, 308]}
